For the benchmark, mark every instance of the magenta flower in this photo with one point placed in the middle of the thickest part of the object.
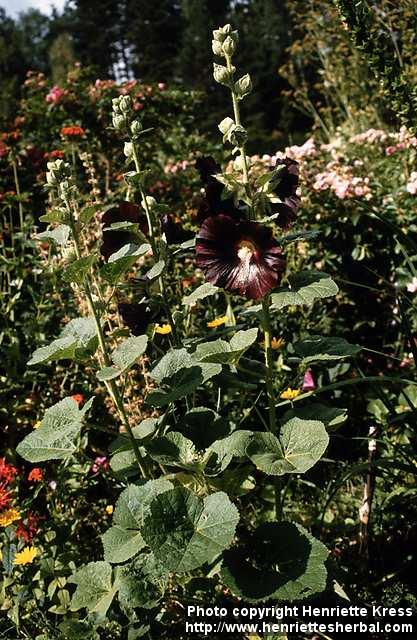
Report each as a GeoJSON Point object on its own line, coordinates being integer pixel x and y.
{"type": "Point", "coordinates": [100, 464]}
{"type": "Point", "coordinates": [240, 256]}
{"type": "Point", "coordinates": [308, 382]}
{"type": "Point", "coordinates": [55, 95]}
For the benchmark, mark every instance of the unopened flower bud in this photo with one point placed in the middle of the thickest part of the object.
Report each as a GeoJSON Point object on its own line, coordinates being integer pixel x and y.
{"type": "Point", "coordinates": [136, 127]}
{"type": "Point", "coordinates": [116, 105]}
{"type": "Point", "coordinates": [225, 125]}
{"type": "Point", "coordinates": [243, 86]}
{"type": "Point", "coordinates": [119, 121]}
{"type": "Point", "coordinates": [222, 75]}
{"type": "Point", "coordinates": [51, 179]}
{"type": "Point", "coordinates": [217, 48]}
{"type": "Point", "coordinates": [150, 201]}
{"type": "Point", "coordinates": [237, 135]}
{"type": "Point", "coordinates": [128, 149]}
{"type": "Point", "coordinates": [229, 46]}
{"type": "Point", "coordinates": [125, 104]}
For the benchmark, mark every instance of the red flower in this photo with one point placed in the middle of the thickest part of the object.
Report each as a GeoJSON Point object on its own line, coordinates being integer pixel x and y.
{"type": "Point", "coordinates": [72, 132]}
{"type": "Point", "coordinates": [7, 471]}
{"type": "Point", "coordinates": [27, 529]}
{"type": "Point", "coordinates": [239, 256]}
{"type": "Point", "coordinates": [4, 497]}
{"type": "Point", "coordinates": [78, 397]}
{"type": "Point", "coordinates": [36, 475]}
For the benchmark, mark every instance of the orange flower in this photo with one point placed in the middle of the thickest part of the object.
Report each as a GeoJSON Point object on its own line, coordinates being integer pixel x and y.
{"type": "Point", "coordinates": [72, 132]}
{"type": "Point", "coordinates": [78, 397]}
{"type": "Point", "coordinates": [36, 475]}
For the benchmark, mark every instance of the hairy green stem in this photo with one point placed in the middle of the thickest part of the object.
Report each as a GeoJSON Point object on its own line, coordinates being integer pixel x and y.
{"type": "Point", "coordinates": [269, 363]}
{"type": "Point", "coordinates": [110, 384]}
{"type": "Point", "coordinates": [236, 112]}
{"type": "Point", "coordinates": [266, 322]}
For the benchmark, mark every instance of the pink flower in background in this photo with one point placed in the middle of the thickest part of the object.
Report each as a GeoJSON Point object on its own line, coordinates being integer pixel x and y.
{"type": "Point", "coordinates": [308, 382]}
{"type": "Point", "coordinates": [100, 464]}
{"type": "Point", "coordinates": [55, 95]}
{"type": "Point", "coordinates": [162, 86]}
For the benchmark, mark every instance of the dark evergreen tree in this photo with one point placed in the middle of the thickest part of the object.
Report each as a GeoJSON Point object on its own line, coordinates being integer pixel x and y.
{"type": "Point", "coordinates": [153, 33]}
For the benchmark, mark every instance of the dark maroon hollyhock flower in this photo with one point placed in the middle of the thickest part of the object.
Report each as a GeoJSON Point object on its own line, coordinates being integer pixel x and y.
{"type": "Point", "coordinates": [114, 240]}
{"type": "Point", "coordinates": [173, 230]}
{"type": "Point", "coordinates": [212, 203]}
{"type": "Point", "coordinates": [285, 187]}
{"type": "Point", "coordinates": [135, 316]}
{"type": "Point", "coordinates": [239, 256]}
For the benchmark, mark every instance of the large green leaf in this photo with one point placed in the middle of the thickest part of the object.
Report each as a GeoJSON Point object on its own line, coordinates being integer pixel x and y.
{"type": "Point", "coordinates": [227, 448]}
{"type": "Point", "coordinates": [121, 261]}
{"type": "Point", "coordinates": [222, 352]}
{"type": "Point", "coordinates": [184, 532]}
{"type": "Point", "coordinates": [173, 450]}
{"type": "Point", "coordinates": [179, 376]}
{"type": "Point", "coordinates": [138, 586]}
{"type": "Point", "coordinates": [282, 561]}
{"type": "Point", "coordinates": [305, 288]}
{"type": "Point", "coordinates": [123, 540]}
{"type": "Point", "coordinates": [124, 357]}
{"type": "Point", "coordinates": [321, 349]}
{"type": "Point", "coordinates": [301, 444]}
{"type": "Point", "coordinates": [96, 588]}
{"type": "Point", "coordinates": [59, 235]}
{"type": "Point", "coordinates": [203, 291]}
{"type": "Point", "coordinates": [77, 340]}
{"type": "Point", "coordinates": [77, 270]}
{"type": "Point", "coordinates": [56, 437]}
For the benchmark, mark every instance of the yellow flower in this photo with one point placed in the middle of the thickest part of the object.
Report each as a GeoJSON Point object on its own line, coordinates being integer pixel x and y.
{"type": "Point", "coordinates": [217, 322]}
{"type": "Point", "coordinates": [276, 343]}
{"type": "Point", "coordinates": [164, 330]}
{"type": "Point", "coordinates": [109, 509]}
{"type": "Point", "coordinates": [9, 516]}
{"type": "Point", "coordinates": [25, 556]}
{"type": "Point", "coordinates": [290, 394]}
{"type": "Point", "coordinates": [37, 424]}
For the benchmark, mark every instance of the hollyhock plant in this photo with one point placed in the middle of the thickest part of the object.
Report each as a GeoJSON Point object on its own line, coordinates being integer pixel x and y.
{"type": "Point", "coordinates": [240, 256]}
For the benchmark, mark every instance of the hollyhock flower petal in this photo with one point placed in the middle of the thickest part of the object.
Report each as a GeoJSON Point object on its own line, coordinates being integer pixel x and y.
{"type": "Point", "coordinates": [239, 256]}
{"type": "Point", "coordinates": [135, 316]}
{"type": "Point", "coordinates": [173, 230]}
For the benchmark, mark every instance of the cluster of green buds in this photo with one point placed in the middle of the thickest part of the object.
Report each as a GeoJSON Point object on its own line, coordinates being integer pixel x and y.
{"type": "Point", "coordinates": [123, 117]}
{"type": "Point", "coordinates": [59, 177]}
{"type": "Point", "coordinates": [224, 45]}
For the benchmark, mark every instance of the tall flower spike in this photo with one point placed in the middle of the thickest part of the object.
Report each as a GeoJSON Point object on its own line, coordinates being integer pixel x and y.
{"type": "Point", "coordinates": [240, 256]}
